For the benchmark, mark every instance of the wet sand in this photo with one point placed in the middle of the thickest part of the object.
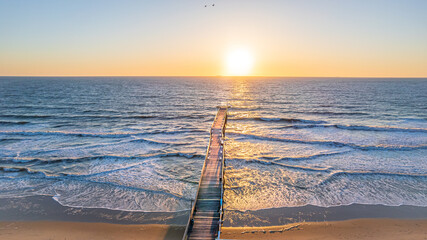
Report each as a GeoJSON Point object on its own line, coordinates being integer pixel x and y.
{"type": "Point", "coordinates": [44, 208]}
{"type": "Point", "coordinates": [41, 218]}
{"type": "Point", "coordinates": [359, 229]}
{"type": "Point", "coordinates": [309, 213]}
{"type": "Point", "coordinates": [46, 230]}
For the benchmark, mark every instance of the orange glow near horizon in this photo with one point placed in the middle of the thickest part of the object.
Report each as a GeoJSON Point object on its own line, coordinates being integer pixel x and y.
{"type": "Point", "coordinates": [234, 38]}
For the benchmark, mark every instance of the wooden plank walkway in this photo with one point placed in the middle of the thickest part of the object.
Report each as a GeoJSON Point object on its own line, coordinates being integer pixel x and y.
{"type": "Point", "coordinates": [206, 214]}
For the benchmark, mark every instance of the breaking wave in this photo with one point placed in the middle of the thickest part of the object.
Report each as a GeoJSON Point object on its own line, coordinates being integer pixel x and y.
{"type": "Point", "coordinates": [97, 135]}
{"type": "Point", "coordinates": [273, 119]}
{"type": "Point", "coordinates": [334, 143]}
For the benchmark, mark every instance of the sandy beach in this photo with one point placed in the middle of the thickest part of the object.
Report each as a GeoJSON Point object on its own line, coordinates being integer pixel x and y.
{"type": "Point", "coordinates": [351, 229]}
{"type": "Point", "coordinates": [46, 230]}
{"type": "Point", "coordinates": [360, 229]}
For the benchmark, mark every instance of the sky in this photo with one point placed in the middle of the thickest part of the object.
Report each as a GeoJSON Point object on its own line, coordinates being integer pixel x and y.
{"type": "Point", "coordinates": [323, 38]}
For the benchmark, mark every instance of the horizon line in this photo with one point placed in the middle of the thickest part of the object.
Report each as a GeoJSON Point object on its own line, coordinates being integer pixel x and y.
{"type": "Point", "coordinates": [251, 76]}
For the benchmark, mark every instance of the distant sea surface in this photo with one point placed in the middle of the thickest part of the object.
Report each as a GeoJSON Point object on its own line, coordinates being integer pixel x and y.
{"type": "Point", "coordinates": [138, 143]}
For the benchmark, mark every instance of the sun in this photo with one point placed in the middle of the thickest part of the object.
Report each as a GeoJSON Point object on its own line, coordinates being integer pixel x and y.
{"type": "Point", "coordinates": [239, 62]}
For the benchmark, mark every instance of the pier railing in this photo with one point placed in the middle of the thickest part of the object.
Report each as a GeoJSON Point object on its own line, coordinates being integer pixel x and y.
{"type": "Point", "coordinates": [193, 207]}
{"type": "Point", "coordinates": [222, 113]}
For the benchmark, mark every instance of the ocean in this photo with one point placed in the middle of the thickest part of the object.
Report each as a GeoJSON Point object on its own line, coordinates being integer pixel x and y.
{"type": "Point", "coordinates": [138, 143]}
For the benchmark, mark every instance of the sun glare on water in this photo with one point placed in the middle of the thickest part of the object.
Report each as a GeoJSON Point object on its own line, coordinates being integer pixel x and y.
{"type": "Point", "coordinates": [239, 62]}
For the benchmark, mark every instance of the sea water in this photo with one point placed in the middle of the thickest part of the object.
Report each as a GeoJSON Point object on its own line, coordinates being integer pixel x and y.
{"type": "Point", "coordinates": [138, 143]}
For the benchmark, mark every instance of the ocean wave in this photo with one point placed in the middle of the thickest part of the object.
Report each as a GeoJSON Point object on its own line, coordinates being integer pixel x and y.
{"type": "Point", "coordinates": [310, 157]}
{"type": "Point", "coordinates": [73, 134]}
{"type": "Point", "coordinates": [378, 128]}
{"type": "Point", "coordinates": [333, 143]}
{"type": "Point", "coordinates": [38, 175]}
{"type": "Point", "coordinates": [23, 116]}
{"type": "Point", "coordinates": [304, 157]}
{"type": "Point", "coordinates": [158, 142]}
{"type": "Point", "coordinates": [418, 120]}
{"type": "Point", "coordinates": [100, 158]}
{"type": "Point", "coordinates": [13, 122]}
{"type": "Point", "coordinates": [246, 108]}
{"type": "Point", "coordinates": [333, 172]}
{"type": "Point", "coordinates": [12, 169]}
{"type": "Point", "coordinates": [359, 128]}
{"type": "Point", "coordinates": [97, 135]}
{"type": "Point", "coordinates": [273, 119]}
{"type": "Point", "coordinates": [104, 116]}
{"type": "Point", "coordinates": [155, 117]}
{"type": "Point", "coordinates": [8, 140]}
{"type": "Point", "coordinates": [322, 124]}
{"type": "Point", "coordinates": [26, 171]}
{"type": "Point", "coordinates": [330, 113]}
{"type": "Point", "coordinates": [89, 194]}
{"type": "Point", "coordinates": [337, 174]}
{"type": "Point", "coordinates": [265, 162]}
{"type": "Point", "coordinates": [332, 188]}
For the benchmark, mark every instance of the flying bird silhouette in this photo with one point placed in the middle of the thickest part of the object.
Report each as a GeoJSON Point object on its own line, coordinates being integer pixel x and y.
{"type": "Point", "coordinates": [210, 5]}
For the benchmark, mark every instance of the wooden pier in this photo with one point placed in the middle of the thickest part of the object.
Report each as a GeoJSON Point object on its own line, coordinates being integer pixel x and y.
{"type": "Point", "coordinates": [206, 213]}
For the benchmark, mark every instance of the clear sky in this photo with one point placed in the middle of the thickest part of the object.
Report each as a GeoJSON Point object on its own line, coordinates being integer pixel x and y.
{"type": "Point", "coordinates": [347, 38]}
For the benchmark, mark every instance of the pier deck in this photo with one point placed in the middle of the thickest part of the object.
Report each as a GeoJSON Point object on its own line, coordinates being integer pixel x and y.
{"type": "Point", "coordinates": [206, 214]}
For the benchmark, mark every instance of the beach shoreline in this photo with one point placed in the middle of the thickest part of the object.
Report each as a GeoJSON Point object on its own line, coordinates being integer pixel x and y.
{"type": "Point", "coordinates": [45, 208]}
{"type": "Point", "coordinates": [309, 213]}
{"type": "Point", "coordinates": [41, 218]}
{"type": "Point", "coordinates": [359, 229]}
